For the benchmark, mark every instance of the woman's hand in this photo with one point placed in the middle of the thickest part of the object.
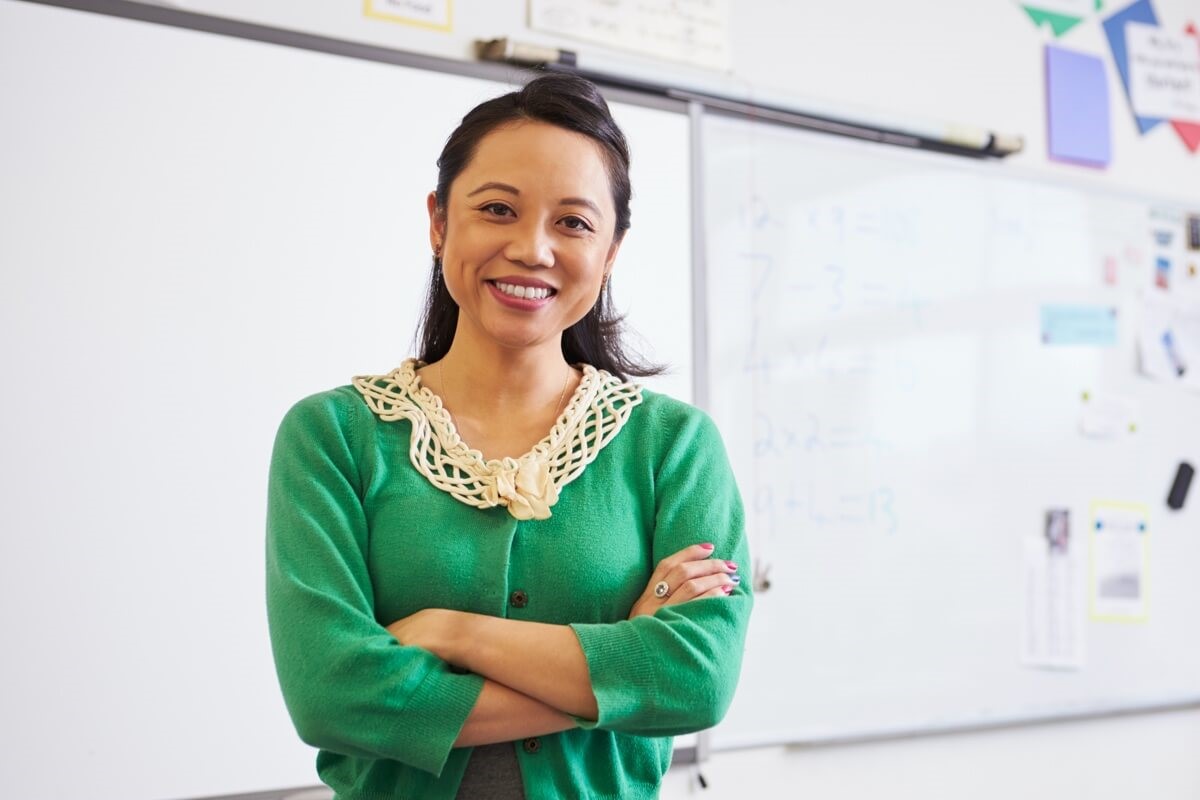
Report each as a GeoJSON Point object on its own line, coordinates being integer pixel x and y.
{"type": "Point", "coordinates": [432, 629]}
{"type": "Point", "coordinates": [690, 574]}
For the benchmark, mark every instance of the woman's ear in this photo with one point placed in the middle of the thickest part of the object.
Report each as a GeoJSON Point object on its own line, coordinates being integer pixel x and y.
{"type": "Point", "coordinates": [437, 224]}
{"type": "Point", "coordinates": [611, 258]}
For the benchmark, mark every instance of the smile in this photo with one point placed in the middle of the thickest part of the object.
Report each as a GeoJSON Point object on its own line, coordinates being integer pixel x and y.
{"type": "Point", "coordinates": [522, 292]}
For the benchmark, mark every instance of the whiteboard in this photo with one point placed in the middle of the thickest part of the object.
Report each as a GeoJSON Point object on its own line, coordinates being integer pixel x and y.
{"type": "Point", "coordinates": [899, 430]}
{"type": "Point", "coordinates": [196, 232]}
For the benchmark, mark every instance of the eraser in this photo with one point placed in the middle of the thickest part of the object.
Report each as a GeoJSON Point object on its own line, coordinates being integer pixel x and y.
{"type": "Point", "coordinates": [1179, 489]}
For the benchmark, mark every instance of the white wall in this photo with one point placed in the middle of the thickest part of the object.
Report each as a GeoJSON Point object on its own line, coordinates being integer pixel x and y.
{"type": "Point", "coordinates": [948, 60]}
{"type": "Point", "coordinates": [977, 63]}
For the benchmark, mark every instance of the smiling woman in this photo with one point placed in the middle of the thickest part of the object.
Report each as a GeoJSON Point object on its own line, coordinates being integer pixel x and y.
{"type": "Point", "coordinates": [524, 257]}
{"type": "Point", "coordinates": [502, 569]}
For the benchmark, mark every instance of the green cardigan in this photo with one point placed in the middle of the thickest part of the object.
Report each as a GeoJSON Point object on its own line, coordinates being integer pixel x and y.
{"type": "Point", "coordinates": [357, 538]}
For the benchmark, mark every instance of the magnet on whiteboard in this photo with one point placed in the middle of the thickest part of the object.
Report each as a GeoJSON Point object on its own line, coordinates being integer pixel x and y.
{"type": "Point", "coordinates": [1179, 488]}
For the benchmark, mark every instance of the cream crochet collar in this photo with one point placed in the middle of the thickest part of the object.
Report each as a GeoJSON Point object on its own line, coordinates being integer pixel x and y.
{"type": "Point", "coordinates": [527, 486]}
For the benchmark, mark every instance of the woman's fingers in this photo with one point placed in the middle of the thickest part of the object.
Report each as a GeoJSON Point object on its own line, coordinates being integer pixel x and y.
{"type": "Point", "coordinates": [716, 584]}
{"type": "Point", "coordinates": [689, 570]}
{"type": "Point", "coordinates": [686, 575]}
{"type": "Point", "coordinates": [688, 580]}
{"type": "Point", "coordinates": [695, 552]}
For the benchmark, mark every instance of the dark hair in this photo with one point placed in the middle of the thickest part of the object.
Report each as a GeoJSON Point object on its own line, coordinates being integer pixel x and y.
{"type": "Point", "coordinates": [575, 104]}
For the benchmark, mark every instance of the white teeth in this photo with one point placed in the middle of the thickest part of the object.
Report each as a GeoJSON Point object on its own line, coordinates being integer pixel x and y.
{"type": "Point", "coordinates": [523, 292]}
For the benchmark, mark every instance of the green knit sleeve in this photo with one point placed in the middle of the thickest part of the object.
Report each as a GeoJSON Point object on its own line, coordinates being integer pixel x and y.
{"type": "Point", "coordinates": [675, 672]}
{"type": "Point", "coordinates": [349, 686]}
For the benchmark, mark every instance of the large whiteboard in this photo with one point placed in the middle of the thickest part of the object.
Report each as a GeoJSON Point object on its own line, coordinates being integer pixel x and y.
{"type": "Point", "coordinates": [899, 431]}
{"type": "Point", "coordinates": [195, 232]}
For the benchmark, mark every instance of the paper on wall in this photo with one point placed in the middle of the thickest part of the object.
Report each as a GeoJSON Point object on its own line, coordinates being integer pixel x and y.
{"type": "Point", "coordinates": [1119, 561]}
{"type": "Point", "coordinates": [1107, 416]}
{"type": "Point", "coordinates": [433, 14]}
{"type": "Point", "coordinates": [1164, 73]}
{"type": "Point", "coordinates": [1169, 340]}
{"type": "Point", "coordinates": [1054, 625]}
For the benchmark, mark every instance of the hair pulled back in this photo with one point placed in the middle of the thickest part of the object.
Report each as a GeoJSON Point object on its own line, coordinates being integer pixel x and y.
{"type": "Point", "coordinates": [575, 104]}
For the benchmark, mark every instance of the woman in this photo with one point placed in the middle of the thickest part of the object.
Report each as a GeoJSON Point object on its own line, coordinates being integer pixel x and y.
{"type": "Point", "coordinates": [502, 570]}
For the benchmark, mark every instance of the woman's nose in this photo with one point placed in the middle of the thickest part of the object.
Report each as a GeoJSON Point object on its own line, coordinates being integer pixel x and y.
{"type": "Point", "coordinates": [531, 244]}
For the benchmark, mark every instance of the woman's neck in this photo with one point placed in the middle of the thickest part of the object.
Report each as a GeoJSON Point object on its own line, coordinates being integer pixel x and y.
{"type": "Point", "coordinates": [487, 382]}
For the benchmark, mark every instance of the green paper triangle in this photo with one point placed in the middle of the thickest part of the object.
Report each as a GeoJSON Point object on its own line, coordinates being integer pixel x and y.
{"type": "Point", "coordinates": [1059, 23]}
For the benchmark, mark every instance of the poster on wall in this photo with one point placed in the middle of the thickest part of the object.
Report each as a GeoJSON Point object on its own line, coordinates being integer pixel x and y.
{"type": "Point", "coordinates": [1119, 561]}
{"type": "Point", "coordinates": [1158, 70]}
{"type": "Point", "coordinates": [691, 31]}
{"type": "Point", "coordinates": [433, 14]}
{"type": "Point", "coordinates": [1164, 73]}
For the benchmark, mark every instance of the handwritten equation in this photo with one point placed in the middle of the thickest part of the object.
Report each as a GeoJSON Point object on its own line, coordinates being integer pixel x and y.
{"type": "Point", "coordinates": [811, 297]}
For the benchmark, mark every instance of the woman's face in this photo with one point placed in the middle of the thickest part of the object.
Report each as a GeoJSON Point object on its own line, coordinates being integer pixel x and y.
{"type": "Point", "coordinates": [527, 233]}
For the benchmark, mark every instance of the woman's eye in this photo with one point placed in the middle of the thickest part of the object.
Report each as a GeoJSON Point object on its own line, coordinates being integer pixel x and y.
{"type": "Point", "coordinates": [577, 224]}
{"type": "Point", "coordinates": [497, 209]}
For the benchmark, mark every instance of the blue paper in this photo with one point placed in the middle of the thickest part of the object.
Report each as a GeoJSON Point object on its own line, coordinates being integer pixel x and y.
{"type": "Point", "coordinates": [1087, 325]}
{"type": "Point", "coordinates": [1077, 115]}
{"type": "Point", "coordinates": [1114, 29]}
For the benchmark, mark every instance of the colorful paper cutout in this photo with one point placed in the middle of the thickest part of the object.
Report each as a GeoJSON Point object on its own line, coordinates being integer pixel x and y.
{"type": "Point", "coordinates": [1077, 111]}
{"type": "Point", "coordinates": [1060, 15]}
{"type": "Point", "coordinates": [1058, 23]}
{"type": "Point", "coordinates": [1189, 132]}
{"type": "Point", "coordinates": [1114, 29]}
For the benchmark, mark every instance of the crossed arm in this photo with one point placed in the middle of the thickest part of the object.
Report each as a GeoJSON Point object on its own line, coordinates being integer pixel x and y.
{"type": "Point", "coordinates": [536, 675]}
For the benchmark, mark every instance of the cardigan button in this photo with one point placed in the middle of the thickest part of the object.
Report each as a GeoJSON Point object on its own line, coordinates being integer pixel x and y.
{"type": "Point", "coordinates": [519, 599]}
{"type": "Point", "coordinates": [532, 745]}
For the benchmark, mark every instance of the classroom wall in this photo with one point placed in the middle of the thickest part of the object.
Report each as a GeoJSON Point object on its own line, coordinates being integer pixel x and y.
{"type": "Point", "coordinates": [975, 63]}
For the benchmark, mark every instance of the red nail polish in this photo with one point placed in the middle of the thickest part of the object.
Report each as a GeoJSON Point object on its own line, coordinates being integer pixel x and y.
{"type": "Point", "coordinates": [708, 546]}
{"type": "Point", "coordinates": [726, 589]}
{"type": "Point", "coordinates": [731, 565]}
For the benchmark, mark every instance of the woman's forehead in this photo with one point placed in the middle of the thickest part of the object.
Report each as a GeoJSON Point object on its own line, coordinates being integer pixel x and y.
{"type": "Point", "coordinates": [538, 154]}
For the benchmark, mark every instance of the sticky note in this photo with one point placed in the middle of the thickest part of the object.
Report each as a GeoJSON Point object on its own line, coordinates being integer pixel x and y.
{"type": "Point", "coordinates": [1077, 111]}
{"type": "Point", "coordinates": [1095, 326]}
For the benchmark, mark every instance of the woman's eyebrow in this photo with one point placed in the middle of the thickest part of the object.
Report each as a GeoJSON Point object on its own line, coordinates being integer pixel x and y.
{"type": "Point", "coordinates": [504, 187]}
{"type": "Point", "coordinates": [582, 201]}
{"type": "Point", "coordinates": [566, 201]}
